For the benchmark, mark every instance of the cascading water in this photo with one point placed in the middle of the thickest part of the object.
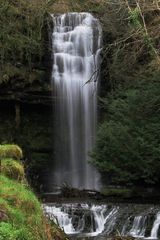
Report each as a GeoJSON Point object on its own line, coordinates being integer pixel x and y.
{"type": "Point", "coordinates": [93, 221]}
{"type": "Point", "coordinates": [61, 218]}
{"type": "Point", "coordinates": [138, 227]}
{"type": "Point", "coordinates": [82, 218]}
{"type": "Point", "coordinates": [76, 60]}
{"type": "Point", "coordinates": [156, 225]}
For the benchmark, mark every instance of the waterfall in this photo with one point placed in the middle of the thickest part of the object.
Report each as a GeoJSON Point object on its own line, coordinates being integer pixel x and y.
{"type": "Point", "coordinates": [82, 218]}
{"type": "Point", "coordinates": [95, 220]}
{"type": "Point", "coordinates": [76, 60]}
{"type": "Point", "coordinates": [101, 217]}
{"type": "Point", "coordinates": [61, 218]}
{"type": "Point", "coordinates": [156, 225]}
{"type": "Point", "coordinates": [139, 227]}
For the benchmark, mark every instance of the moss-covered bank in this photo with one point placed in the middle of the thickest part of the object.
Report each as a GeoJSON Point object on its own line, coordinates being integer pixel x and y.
{"type": "Point", "coordinates": [21, 214]}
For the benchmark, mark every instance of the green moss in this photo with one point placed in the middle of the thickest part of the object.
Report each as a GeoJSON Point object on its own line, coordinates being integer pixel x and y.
{"type": "Point", "coordinates": [22, 214]}
{"type": "Point", "coordinates": [10, 151]}
{"type": "Point", "coordinates": [25, 219]}
{"type": "Point", "coordinates": [21, 206]}
{"type": "Point", "coordinates": [12, 169]}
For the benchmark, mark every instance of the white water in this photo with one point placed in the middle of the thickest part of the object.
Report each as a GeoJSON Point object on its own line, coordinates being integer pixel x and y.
{"type": "Point", "coordinates": [96, 215]}
{"type": "Point", "coordinates": [155, 228]}
{"type": "Point", "coordinates": [76, 60]}
{"type": "Point", "coordinates": [101, 216]}
{"type": "Point", "coordinates": [139, 227]}
{"type": "Point", "coordinates": [94, 221]}
{"type": "Point", "coordinates": [61, 218]}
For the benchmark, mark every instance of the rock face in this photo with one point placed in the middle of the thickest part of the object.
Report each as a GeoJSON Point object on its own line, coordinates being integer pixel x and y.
{"type": "Point", "coordinates": [26, 100]}
{"type": "Point", "coordinates": [33, 133]}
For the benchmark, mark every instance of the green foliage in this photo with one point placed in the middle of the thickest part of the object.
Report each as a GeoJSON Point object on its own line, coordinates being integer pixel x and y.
{"type": "Point", "coordinates": [9, 232]}
{"type": "Point", "coordinates": [22, 42]}
{"type": "Point", "coordinates": [127, 149]}
{"type": "Point", "coordinates": [131, 40]}
{"type": "Point", "coordinates": [21, 24]}
{"type": "Point", "coordinates": [135, 20]}
{"type": "Point", "coordinates": [10, 151]}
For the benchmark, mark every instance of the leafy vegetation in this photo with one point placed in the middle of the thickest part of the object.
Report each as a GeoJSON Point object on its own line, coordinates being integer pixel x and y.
{"type": "Point", "coordinates": [127, 151]}
{"type": "Point", "coordinates": [21, 213]}
{"type": "Point", "coordinates": [22, 46]}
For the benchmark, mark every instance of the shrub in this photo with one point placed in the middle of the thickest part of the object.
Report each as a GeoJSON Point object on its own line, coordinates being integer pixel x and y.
{"type": "Point", "coordinates": [127, 150]}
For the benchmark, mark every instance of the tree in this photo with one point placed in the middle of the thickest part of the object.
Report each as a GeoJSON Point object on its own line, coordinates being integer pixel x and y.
{"type": "Point", "coordinates": [128, 143]}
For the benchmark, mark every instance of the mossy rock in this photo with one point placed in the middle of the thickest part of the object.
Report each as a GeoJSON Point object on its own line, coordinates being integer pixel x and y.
{"type": "Point", "coordinates": [12, 169]}
{"type": "Point", "coordinates": [10, 151]}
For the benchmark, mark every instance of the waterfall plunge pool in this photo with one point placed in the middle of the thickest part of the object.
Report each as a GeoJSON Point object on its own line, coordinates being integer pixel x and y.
{"type": "Point", "coordinates": [100, 221]}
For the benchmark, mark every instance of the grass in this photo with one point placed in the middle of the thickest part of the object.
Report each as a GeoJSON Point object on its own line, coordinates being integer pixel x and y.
{"type": "Point", "coordinates": [21, 212]}
{"type": "Point", "coordinates": [22, 208]}
{"type": "Point", "coordinates": [25, 219]}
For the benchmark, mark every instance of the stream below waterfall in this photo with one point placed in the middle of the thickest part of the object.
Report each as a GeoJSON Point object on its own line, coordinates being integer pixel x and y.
{"type": "Point", "coordinates": [99, 221]}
